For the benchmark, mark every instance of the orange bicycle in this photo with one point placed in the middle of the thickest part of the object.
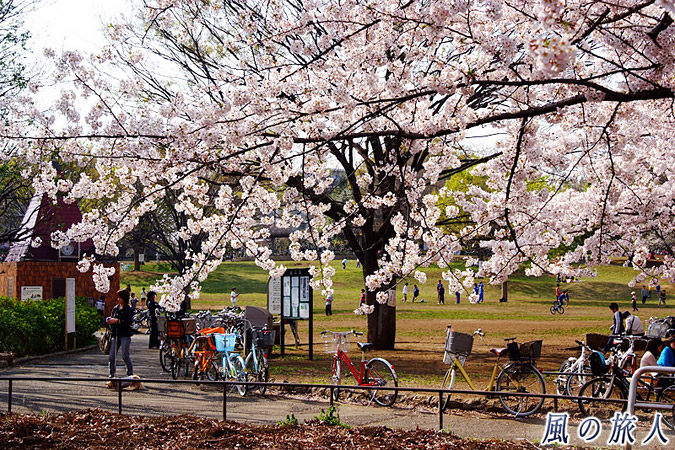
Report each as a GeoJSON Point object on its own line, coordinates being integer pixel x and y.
{"type": "Point", "coordinates": [204, 350]}
{"type": "Point", "coordinates": [375, 372]}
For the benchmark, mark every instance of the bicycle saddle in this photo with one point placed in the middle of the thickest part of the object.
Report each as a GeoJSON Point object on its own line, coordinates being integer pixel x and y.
{"type": "Point", "coordinates": [365, 346]}
{"type": "Point", "coordinates": [499, 351]}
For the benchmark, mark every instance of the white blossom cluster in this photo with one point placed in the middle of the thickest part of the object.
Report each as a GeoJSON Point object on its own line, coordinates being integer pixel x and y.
{"type": "Point", "coordinates": [246, 131]}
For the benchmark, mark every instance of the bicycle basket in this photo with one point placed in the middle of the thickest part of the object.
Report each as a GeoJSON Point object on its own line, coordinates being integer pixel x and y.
{"type": "Point", "coordinates": [175, 329]}
{"type": "Point", "coordinates": [530, 350]}
{"type": "Point", "coordinates": [598, 365]}
{"type": "Point", "coordinates": [225, 342]}
{"type": "Point", "coordinates": [459, 343]}
{"type": "Point", "coordinates": [263, 338]}
{"type": "Point", "coordinates": [331, 342]}
{"type": "Point", "coordinates": [658, 328]}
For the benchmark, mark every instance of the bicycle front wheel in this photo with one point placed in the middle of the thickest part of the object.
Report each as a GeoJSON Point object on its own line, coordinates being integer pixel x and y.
{"type": "Point", "coordinates": [561, 380]}
{"type": "Point", "coordinates": [175, 360]}
{"type": "Point", "coordinates": [597, 391]}
{"type": "Point", "coordinates": [380, 373]}
{"type": "Point", "coordinates": [553, 308]}
{"type": "Point", "coordinates": [574, 382]}
{"type": "Point", "coordinates": [211, 372]}
{"type": "Point", "coordinates": [448, 383]}
{"type": "Point", "coordinates": [239, 373]}
{"type": "Point", "coordinates": [336, 378]}
{"type": "Point", "coordinates": [259, 373]}
{"type": "Point", "coordinates": [521, 378]}
{"type": "Point", "coordinates": [667, 395]}
{"type": "Point", "coordinates": [164, 359]}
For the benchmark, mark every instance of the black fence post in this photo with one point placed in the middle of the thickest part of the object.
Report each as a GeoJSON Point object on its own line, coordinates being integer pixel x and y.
{"type": "Point", "coordinates": [119, 397]}
{"type": "Point", "coordinates": [331, 396]}
{"type": "Point", "coordinates": [440, 410]}
{"type": "Point", "coordinates": [9, 397]}
{"type": "Point", "coordinates": [224, 401]}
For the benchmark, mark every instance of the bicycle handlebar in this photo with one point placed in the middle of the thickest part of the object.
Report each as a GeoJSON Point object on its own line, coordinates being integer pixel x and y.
{"type": "Point", "coordinates": [343, 333]}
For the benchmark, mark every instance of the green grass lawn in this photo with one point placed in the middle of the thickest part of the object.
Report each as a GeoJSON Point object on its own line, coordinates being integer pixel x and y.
{"type": "Point", "coordinates": [529, 299]}
{"type": "Point", "coordinates": [251, 282]}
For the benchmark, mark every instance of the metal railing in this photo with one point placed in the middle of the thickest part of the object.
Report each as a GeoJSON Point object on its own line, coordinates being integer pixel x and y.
{"type": "Point", "coordinates": [331, 388]}
{"type": "Point", "coordinates": [632, 391]}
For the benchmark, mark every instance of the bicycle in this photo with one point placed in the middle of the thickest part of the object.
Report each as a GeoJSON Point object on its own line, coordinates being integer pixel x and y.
{"type": "Point", "coordinates": [256, 363]}
{"type": "Point", "coordinates": [623, 352]}
{"type": "Point", "coordinates": [518, 375]}
{"type": "Point", "coordinates": [616, 386]}
{"type": "Point", "coordinates": [179, 339]}
{"type": "Point", "coordinates": [576, 371]}
{"type": "Point", "coordinates": [374, 372]}
{"type": "Point", "coordinates": [204, 351]}
{"type": "Point", "coordinates": [557, 308]}
{"type": "Point", "coordinates": [232, 364]}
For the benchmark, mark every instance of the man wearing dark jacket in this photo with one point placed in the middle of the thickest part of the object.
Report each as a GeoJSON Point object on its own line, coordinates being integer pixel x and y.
{"type": "Point", "coordinates": [119, 322]}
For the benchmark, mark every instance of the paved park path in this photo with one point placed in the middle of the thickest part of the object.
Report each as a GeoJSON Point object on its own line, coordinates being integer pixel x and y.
{"type": "Point", "coordinates": [156, 399]}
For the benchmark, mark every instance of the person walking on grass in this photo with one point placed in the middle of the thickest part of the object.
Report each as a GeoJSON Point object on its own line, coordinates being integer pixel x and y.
{"type": "Point", "coordinates": [441, 293]}
{"type": "Point", "coordinates": [405, 292]}
{"type": "Point", "coordinates": [233, 297]}
{"type": "Point", "coordinates": [329, 304]}
{"type": "Point", "coordinates": [633, 300]}
{"type": "Point", "coordinates": [416, 293]}
{"type": "Point", "coordinates": [362, 300]}
{"type": "Point", "coordinates": [662, 298]}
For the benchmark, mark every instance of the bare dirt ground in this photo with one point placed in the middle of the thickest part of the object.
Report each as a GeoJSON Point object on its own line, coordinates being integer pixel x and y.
{"type": "Point", "coordinates": [95, 429]}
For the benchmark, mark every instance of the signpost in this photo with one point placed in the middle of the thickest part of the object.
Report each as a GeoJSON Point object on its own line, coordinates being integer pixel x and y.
{"type": "Point", "coordinates": [292, 297]}
{"type": "Point", "coordinates": [70, 309]}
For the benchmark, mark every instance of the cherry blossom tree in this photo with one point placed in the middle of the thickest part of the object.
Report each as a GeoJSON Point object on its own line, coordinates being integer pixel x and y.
{"type": "Point", "coordinates": [576, 96]}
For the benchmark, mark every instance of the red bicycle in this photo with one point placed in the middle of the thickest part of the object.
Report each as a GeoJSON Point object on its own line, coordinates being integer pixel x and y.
{"type": "Point", "coordinates": [374, 372]}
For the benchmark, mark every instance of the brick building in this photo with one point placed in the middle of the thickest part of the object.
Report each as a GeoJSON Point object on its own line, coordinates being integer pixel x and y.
{"type": "Point", "coordinates": [42, 271]}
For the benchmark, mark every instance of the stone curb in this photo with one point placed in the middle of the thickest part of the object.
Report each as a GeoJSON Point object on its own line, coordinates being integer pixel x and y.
{"type": "Point", "coordinates": [25, 359]}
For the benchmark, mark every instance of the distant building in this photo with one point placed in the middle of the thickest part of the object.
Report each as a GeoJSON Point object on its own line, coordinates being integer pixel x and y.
{"type": "Point", "coordinates": [41, 272]}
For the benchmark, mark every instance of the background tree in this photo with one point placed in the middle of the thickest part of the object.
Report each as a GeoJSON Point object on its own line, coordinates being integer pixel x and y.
{"type": "Point", "coordinates": [275, 94]}
{"type": "Point", "coordinates": [15, 190]}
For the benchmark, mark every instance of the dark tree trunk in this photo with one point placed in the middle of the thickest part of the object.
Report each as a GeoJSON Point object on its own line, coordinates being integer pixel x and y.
{"type": "Point", "coordinates": [382, 321]}
{"type": "Point", "coordinates": [137, 261]}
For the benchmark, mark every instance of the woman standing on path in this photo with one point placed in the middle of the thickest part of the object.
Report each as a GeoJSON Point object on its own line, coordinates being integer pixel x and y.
{"type": "Point", "coordinates": [120, 324]}
{"type": "Point", "coordinates": [152, 311]}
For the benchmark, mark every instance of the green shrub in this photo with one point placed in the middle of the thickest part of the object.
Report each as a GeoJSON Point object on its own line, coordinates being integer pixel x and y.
{"type": "Point", "coordinates": [290, 421]}
{"type": "Point", "coordinates": [37, 327]}
{"type": "Point", "coordinates": [331, 418]}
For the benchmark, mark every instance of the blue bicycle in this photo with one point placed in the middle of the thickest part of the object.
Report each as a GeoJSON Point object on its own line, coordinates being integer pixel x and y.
{"type": "Point", "coordinates": [232, 366]}
{"type": "Point", "coordinates": [257, 366]}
